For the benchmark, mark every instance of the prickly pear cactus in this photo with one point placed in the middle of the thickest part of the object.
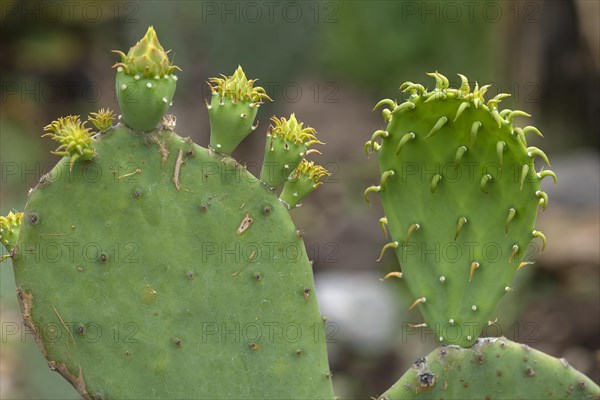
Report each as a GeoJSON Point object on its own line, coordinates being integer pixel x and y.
{"type": "Point", "coordinates": [303, 181]}
{"type": "Point", "coordinates": [150, 267]}
{"type": "Point", "coordinates": [9, 231]}
{"type": "Point", "coordinates": [493, 368]}
{"type": "Point", "coordinates": [461, 195]}
{"type": "Point", "coordinates": [232, 109]}
{"type": "Point", "coordinates": [145, 83]}
{"type": "Point", "coordinates": [287, 144]}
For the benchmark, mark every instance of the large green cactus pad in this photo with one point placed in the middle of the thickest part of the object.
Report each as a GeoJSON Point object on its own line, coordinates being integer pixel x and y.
{"type": "Point", "coordinates": [493, 368]}
{"type": "Point", "coordinates": [461, 197]}
{"type": "Point", "coordinates": [159, 269]}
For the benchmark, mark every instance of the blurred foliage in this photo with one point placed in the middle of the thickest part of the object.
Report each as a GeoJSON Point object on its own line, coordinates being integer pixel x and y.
{"type": "Point", "coordinates": [387, 42]}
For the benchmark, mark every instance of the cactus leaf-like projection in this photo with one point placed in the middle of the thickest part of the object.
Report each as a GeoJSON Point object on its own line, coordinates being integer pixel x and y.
{"type": "Point", "coordinates": [493, 368]}
{"type": "Point", "coordinates": [145, 83]}
{"type": "Point", "coordinates": [301, 182]}
{"type": "Point", "coordinates": [287, 143]}
{"type": "Point", "coordinates": [232, 109]}
{"type": "Point", "coordinates": [457, 157]}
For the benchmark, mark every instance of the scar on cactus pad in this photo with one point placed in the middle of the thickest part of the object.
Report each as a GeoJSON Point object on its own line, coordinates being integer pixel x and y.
{"type": "Point", "coordinates": [168, 250]}
{"type": "Point", "coordinates": [457, 171]}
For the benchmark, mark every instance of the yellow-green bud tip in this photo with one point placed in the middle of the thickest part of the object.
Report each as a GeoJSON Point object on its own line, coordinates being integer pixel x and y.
{"type": "Point", "coordinates": [102, 119]}
{"type": "Point", "coordinates": [74, 138]}
{"type": "Point", "coordinates": [313, 171]}
{"type": "Point", "coordinates": [293, 131]}
{"type": "Point", "coordinates": [147, 57]}
{"type": "Point", "coordinates": [9, 229]}
{"type": "Point", "coordinates": [237, 87]}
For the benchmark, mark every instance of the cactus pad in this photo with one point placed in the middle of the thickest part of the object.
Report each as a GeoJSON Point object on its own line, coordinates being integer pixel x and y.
{"type": "Point", "coordinates": [303, 181]}
{"type": "Point", "coordinates": [145, 83]}
{"type": "Point", "coordinates": [161, 269]}
{"type": "Point", "coordinates": [493, 368]}
{"type": "Point", "coordinates": [461, 197]}
{"type": "Point", "coordinates": [187, 258]}
{"type": "Point", "coordinates": [287, 143]}
{"type": "Point", "coordinates": [232, 110]}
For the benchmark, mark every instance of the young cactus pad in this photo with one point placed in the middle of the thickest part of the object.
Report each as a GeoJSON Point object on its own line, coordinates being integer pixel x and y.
{"type": "Point", "coordinates": [232, 110]}
{"type": "Point", "coordinates": [145, 83]}
{"type": "Point", "coordinates": [461, 195]}
{"type": "Point", "coordinates": [160, 269]}
{"type": "Point", "coordinates": [287, 143]}
{"type": "Point", "coordinates": [9, 229]}
{"type": "Point", "coordinates": [493, 368]}
{"type": "Point", "coordinates": [301, 182]}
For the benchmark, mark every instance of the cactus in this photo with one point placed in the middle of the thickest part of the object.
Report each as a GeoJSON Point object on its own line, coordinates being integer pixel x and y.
{"type": "Point", "coordinates": [461, 197]}
{"type": "Point", "coordinates": [287, 144]}
{"type": "Point", "coordinates": [303, 181]}
{"type": "Point", "coordinates": [145, 83]}
{"type": "Point", "coordinates": [74, 137]}
{"type": "Point", "coordinates": [457, 174]}
{"type": "Point", "coordinates": [9, 231]}
{"type": "Point", "coordinates": [150, 267]}
{"type": "Point", "coordinates": [145, 252]}
{"type": "Point", "coordinates": [493, 368]}
{"type": "Point", "coordinates": [102, 120]}
{"type": "Point", "coordinates": [232, 110]}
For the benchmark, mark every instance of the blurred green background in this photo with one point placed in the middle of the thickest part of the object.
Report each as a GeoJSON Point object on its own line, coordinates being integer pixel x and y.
{"type": "Point", "coordinates": [330, 62]}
